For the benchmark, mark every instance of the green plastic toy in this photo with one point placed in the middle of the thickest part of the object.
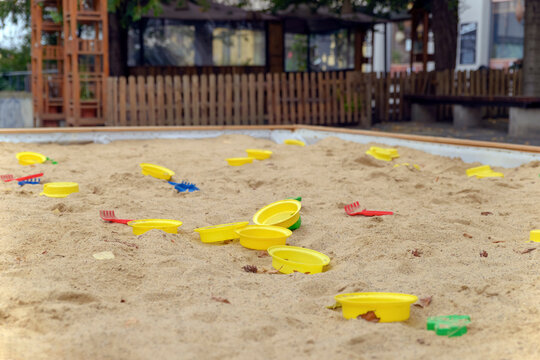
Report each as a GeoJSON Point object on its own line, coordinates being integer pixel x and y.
{"type": "Point", "coordinates": [450, 325]}
{"type": "Point", "coordinates": [297, 224]}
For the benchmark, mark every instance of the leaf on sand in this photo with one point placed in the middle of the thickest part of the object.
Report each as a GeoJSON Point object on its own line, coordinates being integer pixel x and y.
{"type": "Point", "coordinates": [483, 253]}
{"type": "Point", "coordinates": [104, 255]}
{"type": "Point", "coordinates": [528, 250]}
{"type": "Point", "coordinates": [486, 213]}
{"type": "Point", "coordinates": [467, 236]}
{"type": "Point", "coordinates": [221, 300]}
{"type": "Point", "coordinates": [416, 252]}
{"type": "Point", "coordinates": [250, 268]}
{"type": "Point", "coordinates": [334, 307]}
{"type": "Point", "coordinates": [271, 271]}
{"type": "Point", "coordinates": [262, 254]}
{"type": "Point", "coordinates": [369, 316]}
{"type": "Point", "coordinates": [424, 302]}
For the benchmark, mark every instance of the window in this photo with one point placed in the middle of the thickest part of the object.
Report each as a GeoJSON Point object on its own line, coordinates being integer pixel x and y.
{"type": "Point", "coordinates": [296, 51]}
{"type": "Point", "coordinates": [507, 31]}
{"type": "Point", "coordinates": [334, 51]}
{"type": "Point", "coordinates": [242, 47]}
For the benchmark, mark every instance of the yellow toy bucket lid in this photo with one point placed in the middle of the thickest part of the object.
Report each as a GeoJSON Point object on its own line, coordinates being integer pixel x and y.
{"type": "Point", "coordinates": [59, 189]}
{"type": "Point", "coordinates": [288, 259]}
{"type": "Point", "coordinates": [382, 153]}
{"type": "Point", "coordinates": [144, 225]}
{"type": "Point", "coordinates": [483, 171]}
{"type": "Point", "coordinates": [259, 154]}
{"type": "Point", "coordinates": [156, 171]}
{"type": "Point", "coordinates": [222, 232]}
{"type": "Point", "coordinates": [30, 158]}
{"type": "Point", "coordinates": [294, 142]}
{"type": "Point", "coordinates": [282, 213]}
{"type": "Point", "coordinates": [240, 161]}
{"type": "Point", "coordinates": [388, 307]}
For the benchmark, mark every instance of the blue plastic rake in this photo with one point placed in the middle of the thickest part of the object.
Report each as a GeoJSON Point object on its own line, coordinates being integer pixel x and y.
{"type": "Point", "coordinates": [34, 181]}
{"type": "Point", "coordinates": [184, 186]}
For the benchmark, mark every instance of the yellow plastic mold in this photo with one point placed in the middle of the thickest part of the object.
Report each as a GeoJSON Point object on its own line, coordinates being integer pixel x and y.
{"type": "Point", "coordinates": [294, 142]}
{"type": "Point", "coordinates": [259, 154]}
{"type": "Point", "coordinates": [59, 189]}
{"type": "Point", "coordinates": [240, 161]}
{"type": "Point", "coordinates": [156, 171]}
{"type": "Point", "coordinates": [261, 237]}
{"type": "Point", "coordinates": [284, 213]}
{"type": "Point", "coordinates": [30, 158]}
{"type": "Point", "coordinates": [222, 232]}
{"type": "Point", "coordinates": [382, 153]}
{"type": "Point", "coordinates": [144, 225]}
{"type": "Point", "coordinates": [388, 307]}
{"type": "Point", "coordinates": [535, 236]}
{"type": "Point", "coordinates": [287, 259]}
{"type": "Point", "coordinates": [483, 171]}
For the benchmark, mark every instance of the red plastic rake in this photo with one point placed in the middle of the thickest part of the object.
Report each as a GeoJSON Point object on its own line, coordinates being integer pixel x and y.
{"type": "Point", "coordinates": [352, 209]}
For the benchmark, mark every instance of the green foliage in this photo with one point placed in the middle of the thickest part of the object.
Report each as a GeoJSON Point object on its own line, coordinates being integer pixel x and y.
{"type": "Point", "coordinates": [15, 60]}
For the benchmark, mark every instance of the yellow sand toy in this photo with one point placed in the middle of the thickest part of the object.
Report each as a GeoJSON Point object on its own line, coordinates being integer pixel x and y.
{"type": "Point", "coordinates": [287, 259]}
{"type": "Point", "coordinates": [294, 142]}
{"type": "Point", "coordinates": [259, 154]}
{"type": "Point", "coordinates": [240, 161]}
{"type": "Point", "coordinates": [156, 171]}
{"type": "Point", "coordinates": [535, 236]}
{"type": "Point", "coordinates": [483, 171]}
{"type": "Point", "coordinates": [408, 165]}
{"type": "Point", "coordinates": [284, 213]}
{"type": "Point", "coordinates": [388, 307]}
{"type": "Point", "coordinates": [382, 153]}
{"type": "Point", "coordinates": [30, 158]}
{"type": "Point", "coordinates": [222, 232]}
{"type": "Point", "coordinates": [59, 189]}
{"type": "Point", "coordinates": [261, 237]}
{"type": "Point", "coordinates": [144, 225]}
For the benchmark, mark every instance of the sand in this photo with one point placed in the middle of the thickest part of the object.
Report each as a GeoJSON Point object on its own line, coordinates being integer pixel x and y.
{"type": "Point", "coordinates": [158, 298]}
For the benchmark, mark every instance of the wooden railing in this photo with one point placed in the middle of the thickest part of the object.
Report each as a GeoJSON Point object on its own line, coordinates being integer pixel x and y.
{"type": "Point", "coordinates": [329, 98]}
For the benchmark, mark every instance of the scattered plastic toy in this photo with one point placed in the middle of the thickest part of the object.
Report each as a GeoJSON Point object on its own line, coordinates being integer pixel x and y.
{"type": "Point", "coordinates": [59, 189]}
{"type": "Point", "coordinates": [297, 224]}
{"type": "Point", "coordinates": [351, 210]}
{"type": "Point", "coordinates": [156, 171]}
{"type": "Point", "coordinates": [144, 225]}
{"type": "Point", "coordinates": [388, 307]}
{"type": "Point", "coordinates": [294, 142]}
{"type": "Point", "coordinates": [109, 215]}
{"type": "Point", "coordinates": [30, 158]}
{"type": "Point", "coordinates": [382, 153]}
{"type": "Point", "coordinates": [535, 236]}
{"type": "Point", "coordinates": [450, 325]}
{"type": "Point", "coordinates": [408, 165]}
{"type": "Point", "coordinates": [259, 154]}
{"type": "Point", "coordinates": [284, 213]}
{"type": "Point", "coordinates": [287, 259]}
{"type": "Point", "coordinates": [9, 177]}
{"type": "Point", "coordinates": [34, 181]}
{"type": "Point", "coordinates": [222, 232]}
{"type": "Point", "coordinates": [51, 160]}
{"type": "Point", "coordinates": [483, 171]}
{"type": "Point", "coordinates": [184, 186]}
{"type": "Point", "coordinates": [261, 237]}
{"type": "Point", "coordinates": [240, 161]}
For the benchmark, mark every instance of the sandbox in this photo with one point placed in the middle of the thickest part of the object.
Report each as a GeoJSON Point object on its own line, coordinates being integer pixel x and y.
{"type": "Point", "coordinates": [460, 240]}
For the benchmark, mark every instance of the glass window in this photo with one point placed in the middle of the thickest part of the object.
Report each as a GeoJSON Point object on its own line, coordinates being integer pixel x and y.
{"type": "Point", "coordinates": [507, 31]}
{"type": "Point", "coordinates": [168, 43]}
{"type": "Point", "coordinates": [242, 47]}
{"type": "Point", "coordinates": [296, 52]}
{"type": "Point", "coordinates": [333, 51]}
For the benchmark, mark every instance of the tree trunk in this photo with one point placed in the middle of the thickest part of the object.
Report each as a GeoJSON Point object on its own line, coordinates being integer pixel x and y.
{"type": "Point", "coordinates": [118, 38]}
{"type": "Point", "coordinates": [531, 49]}
{"type": "Point", "coordinates": [444, 21]}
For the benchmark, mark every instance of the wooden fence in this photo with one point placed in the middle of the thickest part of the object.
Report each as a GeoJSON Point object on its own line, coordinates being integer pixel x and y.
{"type": "Point", "coordinates": [247, 99]}
{"type": "Point", "coordinates": [329, 98]}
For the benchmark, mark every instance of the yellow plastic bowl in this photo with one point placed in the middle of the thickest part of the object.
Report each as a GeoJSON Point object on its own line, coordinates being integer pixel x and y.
{"type": "Point", "coordinates": [156, 171]}
{"type": "Point", "coordinates": [59, 189]}
{"type": "Point", "coordinates": [239, 161]}
{"type": "Point", "coordinates": [144, 225]}
{"type": "Point", "coordinates": [261, 237]}
{"type": "Point", "coordinates": [30, 158]}
{"type": "Point", "coordinates": [222, 232]}
{"type": "Point", "coordinates": [287, 259]}
{"type": "Point", "coordinates": [294, 142]}
{"type": "Point", "coordinates": [284, 213]}
{"type": "Point", "coordinates": [382, 153]}
{"type": "Point", "coordinates": [535, 236]}
{"type": "Point", "coordinates": [388, 307]}
{"type": "Point", "coordinates": [259, 154]}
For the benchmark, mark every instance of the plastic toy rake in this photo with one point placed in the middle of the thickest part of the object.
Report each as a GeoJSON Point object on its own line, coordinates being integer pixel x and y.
{"type": "Point", "coordinates": [34, 181]}
{"type": "Point", "coordinates": [8, 178]}
{"type": "Point", "coordinates": [184, 186]}
{"type": "Point", "coordinates": [108, 215]}
{"type": "Point", "coordinates": [352, 210]}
